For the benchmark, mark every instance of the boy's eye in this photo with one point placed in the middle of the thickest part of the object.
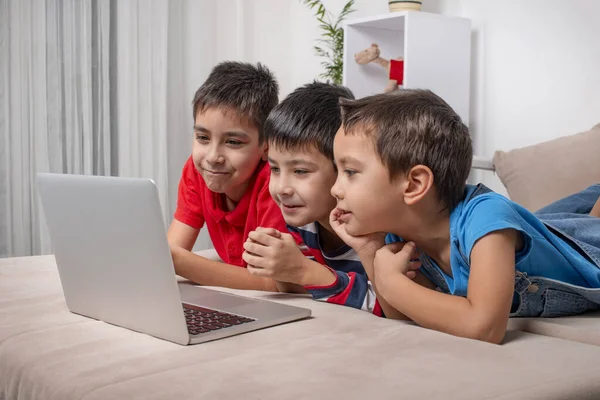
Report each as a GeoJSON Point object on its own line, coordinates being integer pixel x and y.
{"type": "Point", "coordinates": [234, 142]}
{"type": "Point", "coordinates": [202, 138]}
{"type": "Point", "coordinates": [275, 170]}
{"type": "Point", "coordinates": [300, 171]}
{"type": "Point", "coordinates": [349, 172]}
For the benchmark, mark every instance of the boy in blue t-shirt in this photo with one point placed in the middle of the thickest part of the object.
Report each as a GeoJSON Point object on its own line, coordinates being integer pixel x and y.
{"type": "Point", "coordinates": [403, 160]}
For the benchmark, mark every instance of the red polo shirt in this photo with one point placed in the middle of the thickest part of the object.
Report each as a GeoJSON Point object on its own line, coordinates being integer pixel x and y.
{"type": "Point", "coordinates": [228, 230]}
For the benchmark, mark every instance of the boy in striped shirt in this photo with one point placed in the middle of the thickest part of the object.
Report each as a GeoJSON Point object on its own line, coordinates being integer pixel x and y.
{"type": "Point", "coordinates": [300, 132]}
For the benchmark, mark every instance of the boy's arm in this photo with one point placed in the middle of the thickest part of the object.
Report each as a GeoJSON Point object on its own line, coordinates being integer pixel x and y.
{"type": "Point", "coordinates": [273, 254]}
{"type": "Point", "coordinates": [366, 247]}
{"type": "Point", "coordinates": [276, 255]}
{"type": "Point", "coordinates": [349, 289]}
{"type": "Point", "coordinates": [482, 315]}
{"type": "Point", "coordinates": [367, 257]}
{"type": "Point", "coordinates": [208, 272]}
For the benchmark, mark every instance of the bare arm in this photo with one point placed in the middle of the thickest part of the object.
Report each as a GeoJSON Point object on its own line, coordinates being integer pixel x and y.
{"type": "Point", "coordinates": [483, 314]}
{"type": "Point", "coordinates": [208, 272]}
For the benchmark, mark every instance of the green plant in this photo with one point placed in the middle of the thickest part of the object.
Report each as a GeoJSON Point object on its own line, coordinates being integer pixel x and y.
{"type": "Point", "coordinates": [332, 39]}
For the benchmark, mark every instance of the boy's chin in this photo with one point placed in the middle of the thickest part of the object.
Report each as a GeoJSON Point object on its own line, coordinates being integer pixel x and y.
{"type": "Point", "coordinates": [216, 188]}
{"type": "Point", "coordinates": [297, 221]}
{"type": "Point", "coordinates": [354, 229]}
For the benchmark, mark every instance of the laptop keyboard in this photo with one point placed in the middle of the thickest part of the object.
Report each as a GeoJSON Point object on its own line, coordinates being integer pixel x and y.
{"type": "Point", "coordinates": [202, 320]}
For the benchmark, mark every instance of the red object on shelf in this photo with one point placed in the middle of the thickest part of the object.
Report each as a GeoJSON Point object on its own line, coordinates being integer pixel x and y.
{"type": "Point", "coordinates": [397, 70]}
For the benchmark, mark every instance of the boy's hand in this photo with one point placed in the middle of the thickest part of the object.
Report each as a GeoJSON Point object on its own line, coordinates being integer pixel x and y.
{"type": "Point", "coordinates": [361, 244]}
{"type": "Point", "coordinates": [393, 259]}
{"type": "Point", "coordinates": [273, 254]}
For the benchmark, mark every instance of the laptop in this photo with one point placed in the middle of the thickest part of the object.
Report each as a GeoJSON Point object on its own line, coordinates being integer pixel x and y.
{"type": "Point", "coordinates": [115, 265]}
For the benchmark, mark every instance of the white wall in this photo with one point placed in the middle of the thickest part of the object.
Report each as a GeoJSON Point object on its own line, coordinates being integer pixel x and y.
{"type": "Point", "coordinates": [534, 70]}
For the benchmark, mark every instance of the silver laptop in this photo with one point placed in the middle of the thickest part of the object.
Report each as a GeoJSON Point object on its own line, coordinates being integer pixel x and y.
{"type": "Point", "coordinates": [115, 265]}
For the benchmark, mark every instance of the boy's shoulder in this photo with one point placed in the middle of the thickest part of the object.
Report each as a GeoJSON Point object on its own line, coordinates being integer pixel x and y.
{"type": "Point", "coordinates": [482, 213]}
{"type": "Point", "coordinates": [480, 199]}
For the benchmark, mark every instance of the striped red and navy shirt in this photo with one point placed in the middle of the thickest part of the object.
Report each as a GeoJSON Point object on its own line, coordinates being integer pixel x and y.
{"type": "Point", "coordinates": [351, 287]}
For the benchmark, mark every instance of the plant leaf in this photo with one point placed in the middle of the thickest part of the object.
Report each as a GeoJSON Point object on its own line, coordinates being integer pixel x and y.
{"type": "Point", "coordinates": [332, 39]}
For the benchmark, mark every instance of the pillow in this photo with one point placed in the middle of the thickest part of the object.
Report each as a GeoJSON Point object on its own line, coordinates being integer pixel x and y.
{"type": "Point", "coordinates": [537, 175]}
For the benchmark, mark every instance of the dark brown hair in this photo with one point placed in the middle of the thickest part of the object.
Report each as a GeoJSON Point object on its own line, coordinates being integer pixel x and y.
{"type": "Point", "coordinates": [412, 127]}
{"type": "Point", "coordinates": [248, 90]}
{"type": "Point", "coordinates": [309, 116]}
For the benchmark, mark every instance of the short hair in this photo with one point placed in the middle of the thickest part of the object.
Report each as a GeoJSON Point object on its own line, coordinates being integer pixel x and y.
{"type": "Point", "coordinates": [412, 127]}
{"type": "Point", "coordinates": [249, 90]}
{"type": "Point", "coordinates": [309, 116]}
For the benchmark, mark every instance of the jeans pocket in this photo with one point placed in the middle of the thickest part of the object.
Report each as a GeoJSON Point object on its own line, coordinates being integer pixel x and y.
{"type": "Point", "coordinates": [559, 303]}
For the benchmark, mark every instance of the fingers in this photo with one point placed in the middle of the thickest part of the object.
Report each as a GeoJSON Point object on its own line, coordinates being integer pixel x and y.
{"type": "Point", "coordinates": [253, 260]}
{"type": "Point", "coordinates": [408, 252]}
{"type": "Point", "coordinates": [414, 265]}
{"type": "Point", "coordinates": [397, 246]}
{"type": "Point", "coordinates": [286, 237]}
{"type": "Point", "coordinates": [394, 247]}
{"type": "Point", "coordinates": [269, 231]}
{"type": "Point", "coordinates": [263, 238]}
{"type": "Point", "coordinates": [256, 248]}
{"type": "Point", "coordinates": [334, 215]}
{"type": "Point", "coordinates": [411, 274]}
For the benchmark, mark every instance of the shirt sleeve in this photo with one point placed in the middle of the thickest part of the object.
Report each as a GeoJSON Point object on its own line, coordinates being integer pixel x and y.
{"type": "Point", "coordinates": [486, 214]}
{"type": "Point", "coordinates": [189, 197]}
{"type": "Point", "coordinates": [349, 289]}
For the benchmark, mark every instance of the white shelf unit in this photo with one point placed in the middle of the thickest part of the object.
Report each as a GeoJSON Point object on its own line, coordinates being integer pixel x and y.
{"type": "Point", "coordinates": [436, 50]}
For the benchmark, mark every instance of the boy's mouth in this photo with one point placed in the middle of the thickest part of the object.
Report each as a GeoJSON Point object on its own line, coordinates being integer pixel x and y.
{"type": "Point", "coordinates": [217, 173]}
{"type": "Point", "coordinates": [344, 215]}
{"type": "Point", "coordinates": [290, 207]}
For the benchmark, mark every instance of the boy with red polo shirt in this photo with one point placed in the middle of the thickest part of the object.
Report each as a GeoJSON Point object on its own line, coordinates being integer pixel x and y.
{"type": "Point", "coordinates": [225, 183]}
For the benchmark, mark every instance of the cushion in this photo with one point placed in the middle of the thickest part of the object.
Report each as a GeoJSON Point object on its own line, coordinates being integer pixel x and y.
{"type": "Point", "coordinates": [535, 176]}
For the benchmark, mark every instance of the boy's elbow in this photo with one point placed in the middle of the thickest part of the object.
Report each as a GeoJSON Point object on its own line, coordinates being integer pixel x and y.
{"type": "Point", "coordinates": [494, 337]}
{"type": "Point", "coordinates": [487, 331]}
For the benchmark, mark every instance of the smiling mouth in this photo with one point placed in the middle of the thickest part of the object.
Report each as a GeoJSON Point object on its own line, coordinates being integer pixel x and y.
{"type": "Point", "coordinates": [215, 172]}
{"type": "Point", "coordinates": [290, 206]}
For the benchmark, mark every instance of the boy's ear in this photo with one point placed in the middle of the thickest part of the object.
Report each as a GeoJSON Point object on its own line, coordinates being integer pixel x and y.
{"type": "Point", "coordinates": [419, 181]}
{"type": "Point", "coordinates": [265, 151]}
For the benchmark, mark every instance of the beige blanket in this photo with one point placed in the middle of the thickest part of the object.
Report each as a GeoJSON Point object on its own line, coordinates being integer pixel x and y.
{"type": "Point", "coordinates": [48, 353]}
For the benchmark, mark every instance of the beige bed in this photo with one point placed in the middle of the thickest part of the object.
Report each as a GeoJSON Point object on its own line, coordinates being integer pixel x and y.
{"type": "Point", "coordinates": [48, 353]}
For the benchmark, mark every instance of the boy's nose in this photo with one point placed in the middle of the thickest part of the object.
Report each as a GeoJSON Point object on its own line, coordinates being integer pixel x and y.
{"type": "Point", "coordinates": [213, 157]}
{"type": "Point", "coordinates": [336, 191]}
{"type": "Point", "coordinates": [283, 189]}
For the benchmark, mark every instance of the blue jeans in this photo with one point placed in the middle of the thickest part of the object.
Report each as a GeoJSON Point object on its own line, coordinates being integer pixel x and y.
{"type": "Point", "coordinates": [569, 218]}
{"type": "Point", "coordinates": [578, 203]}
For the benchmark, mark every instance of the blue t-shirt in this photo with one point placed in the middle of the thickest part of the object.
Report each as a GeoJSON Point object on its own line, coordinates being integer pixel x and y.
{"type": "Point", "coordinates": [544, 254]}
